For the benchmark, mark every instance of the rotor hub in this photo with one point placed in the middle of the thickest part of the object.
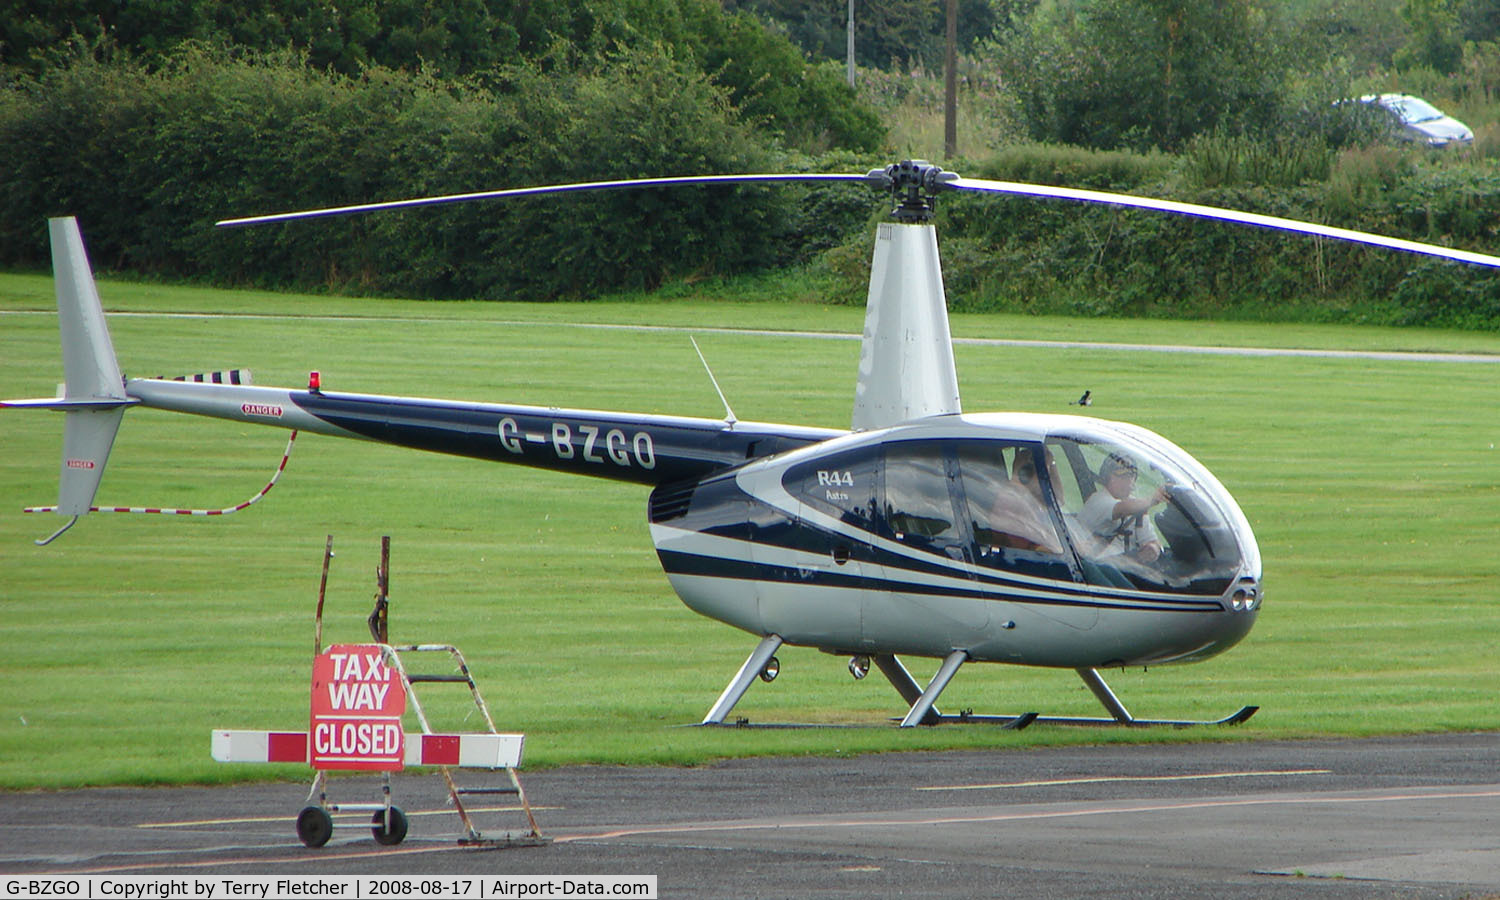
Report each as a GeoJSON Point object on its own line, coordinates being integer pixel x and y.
{"type": "Point", "coordinates": [913, 184]}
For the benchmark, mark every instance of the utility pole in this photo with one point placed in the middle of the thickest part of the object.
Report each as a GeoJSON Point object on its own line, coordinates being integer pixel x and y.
{"type": "Point", "coordinates": [950, 84]}
{"type": "Point", "coordinates": [850, 44]}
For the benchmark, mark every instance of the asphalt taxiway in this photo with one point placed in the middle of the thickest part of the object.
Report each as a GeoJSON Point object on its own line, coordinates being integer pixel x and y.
{"type": "Point", "coordinates": [1390, 817]}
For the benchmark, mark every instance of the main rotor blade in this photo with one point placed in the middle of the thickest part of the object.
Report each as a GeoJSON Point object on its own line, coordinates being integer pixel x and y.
{"type": "Point", "coordinates": [532, 191]}
{"type": "Point", "coordinates": [1226, 215]}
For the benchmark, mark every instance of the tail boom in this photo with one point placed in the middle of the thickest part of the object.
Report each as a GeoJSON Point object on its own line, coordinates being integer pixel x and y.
{"type": "Point", "coordinates": [636, 447]}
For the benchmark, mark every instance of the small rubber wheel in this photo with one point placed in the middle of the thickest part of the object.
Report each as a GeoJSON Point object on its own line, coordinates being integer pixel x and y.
{"type": "Point", "coordinates": [314, 826]}
{"type": "Point", "coordinates": [396, 834]}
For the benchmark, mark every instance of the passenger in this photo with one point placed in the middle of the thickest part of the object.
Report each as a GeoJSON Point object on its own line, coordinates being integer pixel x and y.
{"type": "Point", "coordinates": [1026, 475]}
{"type": "Point", "coordinates": [1018, 516]}
{"type": "Point", "coordinates": [1118, 521]}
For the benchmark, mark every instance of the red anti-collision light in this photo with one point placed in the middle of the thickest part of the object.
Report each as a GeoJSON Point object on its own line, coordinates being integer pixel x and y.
{"type": "Point", "coordinates": [314, 382]}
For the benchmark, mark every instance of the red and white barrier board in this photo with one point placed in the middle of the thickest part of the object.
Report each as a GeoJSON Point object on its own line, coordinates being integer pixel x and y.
{"type": "Point", "coordinates": [473, 751]}
{"type": "Point", "coordinates": [355, 724]}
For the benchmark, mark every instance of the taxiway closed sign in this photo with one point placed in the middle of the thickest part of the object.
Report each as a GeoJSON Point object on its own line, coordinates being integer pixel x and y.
{"type": "Point", "coordinates": [357, 703]}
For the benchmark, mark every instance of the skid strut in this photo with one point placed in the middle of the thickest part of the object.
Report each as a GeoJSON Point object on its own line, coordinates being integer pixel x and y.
{"type": "Point", "coordinates": [754, 665]}
{"type": "Point", "coordinates": [923, 702]}
{"type": "Point", "coordinates": [945, 673]}
{"type": "Point", "coordinates": [907, 687]}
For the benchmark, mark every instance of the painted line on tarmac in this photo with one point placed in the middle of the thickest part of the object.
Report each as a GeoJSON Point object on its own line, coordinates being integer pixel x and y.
{"type": "Point", "coordinates": [381, 852]}
{"type": "Point", "coordinates": [914, 821]}
{"type": "Point", "coordinates": [252, 820]}
{"type": "Point", "coordinates": [1199, 349]}
{"type": "Point", "coordinates": [1110, 779]}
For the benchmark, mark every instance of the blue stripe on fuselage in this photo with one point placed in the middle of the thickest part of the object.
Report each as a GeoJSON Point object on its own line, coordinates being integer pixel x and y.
{"type": "Point", "coordinates": [679, 563]}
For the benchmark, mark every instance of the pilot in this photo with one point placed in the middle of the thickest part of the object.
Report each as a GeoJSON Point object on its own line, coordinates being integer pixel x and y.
{"type": "Point", "coordinates": [1117, 519]}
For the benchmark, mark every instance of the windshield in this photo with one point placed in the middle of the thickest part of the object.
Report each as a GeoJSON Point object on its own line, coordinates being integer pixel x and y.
{"type": "Point", "coordinates": [1141, 513]}
{"type": "Point", "coordinates": [1413, 109]}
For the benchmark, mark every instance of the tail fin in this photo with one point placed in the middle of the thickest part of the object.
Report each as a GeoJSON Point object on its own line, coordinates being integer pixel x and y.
{"type": "Point", "coordinates": [94, 395]}
{"type": "Point", "coordinates": [88, 354]}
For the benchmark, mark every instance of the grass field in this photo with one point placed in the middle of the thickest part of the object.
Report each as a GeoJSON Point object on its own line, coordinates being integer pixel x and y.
{"type": "Point", "coordinates": [1374, 488]}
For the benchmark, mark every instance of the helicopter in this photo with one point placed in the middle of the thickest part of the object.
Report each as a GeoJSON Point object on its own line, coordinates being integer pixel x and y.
{"type": "Point", "coordinates": [921, 530]}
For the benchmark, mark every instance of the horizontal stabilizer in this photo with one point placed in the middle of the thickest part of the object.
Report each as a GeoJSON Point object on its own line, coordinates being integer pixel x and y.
{"type": "Point", "coordinates": [65, 404]}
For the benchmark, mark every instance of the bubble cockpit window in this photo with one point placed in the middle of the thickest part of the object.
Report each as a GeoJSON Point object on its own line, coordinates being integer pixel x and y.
{"type": "Point", "coordinates": [1142, 516]}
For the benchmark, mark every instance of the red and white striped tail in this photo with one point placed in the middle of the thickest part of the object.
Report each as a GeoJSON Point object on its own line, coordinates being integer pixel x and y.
{"type": "Point", "coordinates": [469, 751]}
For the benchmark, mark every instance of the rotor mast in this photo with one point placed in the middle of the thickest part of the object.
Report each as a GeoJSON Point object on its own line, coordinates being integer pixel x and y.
{"type": "Point", "coordinates": [906, 368]}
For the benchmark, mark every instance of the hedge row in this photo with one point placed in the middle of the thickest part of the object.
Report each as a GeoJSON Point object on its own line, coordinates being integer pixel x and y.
{"type": "Point", "coordinates": [149, 160]}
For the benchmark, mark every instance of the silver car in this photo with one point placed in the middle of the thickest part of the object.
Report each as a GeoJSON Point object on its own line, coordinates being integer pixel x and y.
{"type": "Point", "coordinates": [1421, 122]}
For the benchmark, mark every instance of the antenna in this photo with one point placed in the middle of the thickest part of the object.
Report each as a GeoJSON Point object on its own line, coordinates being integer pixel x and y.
{"type": "Point", "coordinates": [729, 418]}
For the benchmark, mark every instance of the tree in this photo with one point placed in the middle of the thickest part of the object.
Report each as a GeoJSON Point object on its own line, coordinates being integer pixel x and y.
{"type": "Point", "coordinates": [460, 39]}
{"type": "Point", "coordinates": [1145, 73]}
{"type": "Point", "coordinates": [1479, 19]}
{"type": "Point", "coordinates": [904, 33]}
{"type": "Point", "coordinates": [1435, 42]}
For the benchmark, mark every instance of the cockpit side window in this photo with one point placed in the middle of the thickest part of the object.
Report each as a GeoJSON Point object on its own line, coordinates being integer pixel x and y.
{"type": "Point", "coordinates": [844, 486]}
{"type": "Point", "coordinates": [919, 501]}
{"type": "Point", "coordinates": [1006, 494]}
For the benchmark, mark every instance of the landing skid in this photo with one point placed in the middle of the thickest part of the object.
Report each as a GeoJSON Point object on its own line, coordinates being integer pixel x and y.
{"type": "Point", "coordinates": [923, 701]}
{"type": "Point", "coordinates": [924, 712]}
{"type": "Point", "coordinates": [1009, 723]}
{"type": "Point", "coordinates": [1005, 723]}
{"type": "Point", "coordinates": [1121, 716]}
{"type": "Point", "coordinates": [1024, 719]}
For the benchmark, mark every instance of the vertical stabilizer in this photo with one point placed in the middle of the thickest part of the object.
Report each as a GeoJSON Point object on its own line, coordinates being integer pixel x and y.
{"type": "Point", "coordinates": [906, 368]}
{"type": "Point", "coordinates": [94, 397]}
{"type": "Point", "coordinates": [91, 372]}
{"type": "Point", "coordinates": [88, 354]}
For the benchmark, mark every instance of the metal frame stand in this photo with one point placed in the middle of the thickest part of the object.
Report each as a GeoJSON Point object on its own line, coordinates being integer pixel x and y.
{"type": "Point", "coordinates": [315, 823]}
{"type": "Point", "coordinates": [533, 836]}
{"type": "Point", "coordinates": [389, 825]}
